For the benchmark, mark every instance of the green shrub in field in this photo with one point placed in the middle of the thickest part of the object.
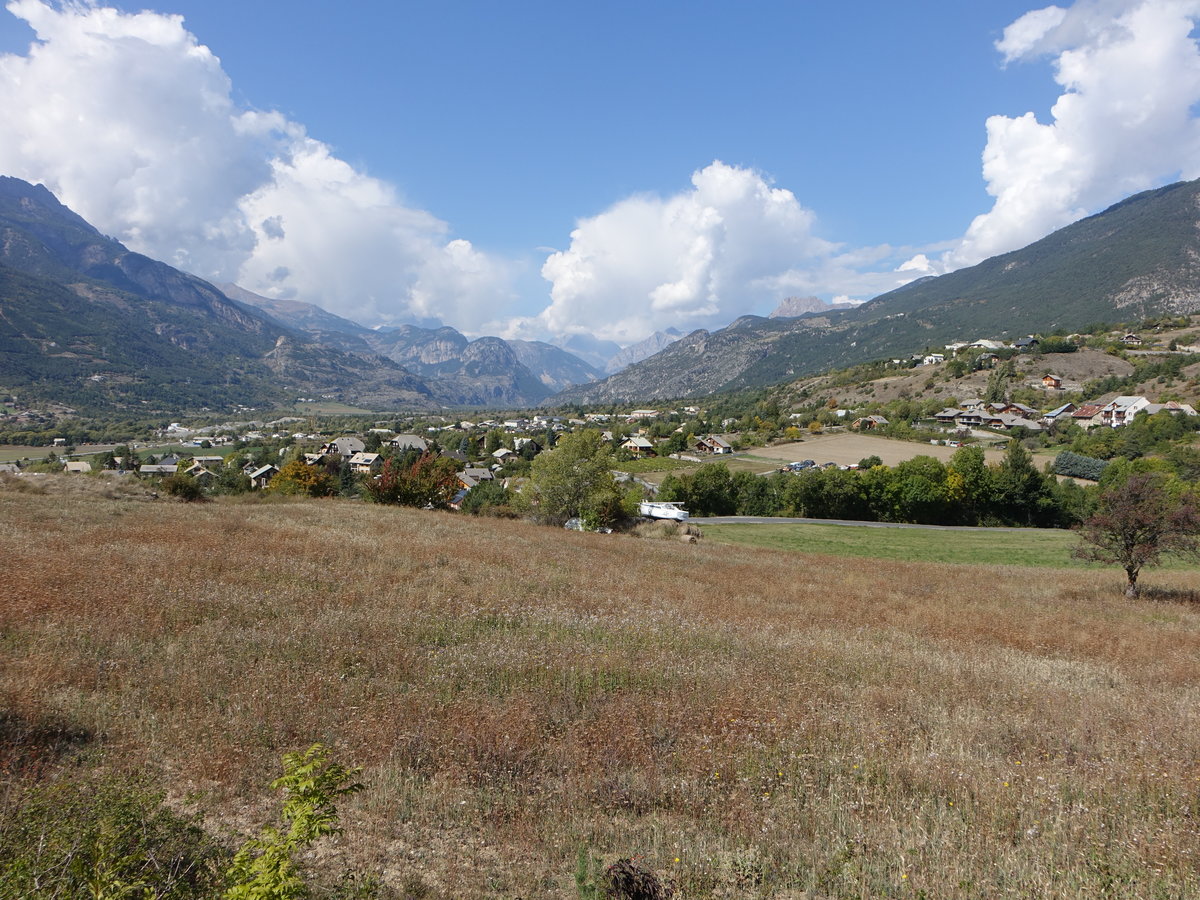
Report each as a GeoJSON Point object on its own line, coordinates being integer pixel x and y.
{"type": "Point", "coordinates": [1076, 465]}
{"type": "Point", "coordinates": [183, 487]}
{"type": "Point", "coordinates": [103, 837]}
{"type": "Point", "coordinates": [264, 869]}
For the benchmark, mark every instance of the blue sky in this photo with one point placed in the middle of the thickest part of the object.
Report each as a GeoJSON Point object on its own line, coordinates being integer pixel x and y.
{"type": "Point", "coordinates": [539, 169]}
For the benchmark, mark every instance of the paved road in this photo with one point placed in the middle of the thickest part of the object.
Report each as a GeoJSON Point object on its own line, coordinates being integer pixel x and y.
{"type": "Point", "coordinates": [769, 520]}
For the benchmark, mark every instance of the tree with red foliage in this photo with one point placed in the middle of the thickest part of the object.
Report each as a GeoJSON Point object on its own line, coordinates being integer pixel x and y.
{"type": "Point", "coordinates": [429, 481]}
{"type": "Point", "coordinates": [1136, 522]}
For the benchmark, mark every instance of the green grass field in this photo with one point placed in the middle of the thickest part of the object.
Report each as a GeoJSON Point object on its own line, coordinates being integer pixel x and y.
{"type": "Point", "coordinates": [654, 464]}
{"type": "Point", "coordinates": [1019, 547]}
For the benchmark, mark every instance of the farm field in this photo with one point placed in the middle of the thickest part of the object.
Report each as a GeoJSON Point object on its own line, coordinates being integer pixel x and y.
{"type": "Point", "coordinates": [752, 722]}
{"type": "Point", "coordinates": [847, 448]}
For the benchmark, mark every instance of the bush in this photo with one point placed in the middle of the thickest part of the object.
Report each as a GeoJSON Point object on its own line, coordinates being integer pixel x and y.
{"type": "Point", "coordinates": [104, 836]}
{"type": "Point", "coordinates": [183, 487]}
{"type": "Point", "coordinates": [1076, 465]}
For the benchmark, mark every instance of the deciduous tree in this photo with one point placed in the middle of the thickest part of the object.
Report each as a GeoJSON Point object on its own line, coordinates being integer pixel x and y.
{"type": "Point", "coordinates": [428, 481]}
{"type": "Point", "coordinates": [576, 479]}
{"type": "Point", "coordinates": [1136, 522]}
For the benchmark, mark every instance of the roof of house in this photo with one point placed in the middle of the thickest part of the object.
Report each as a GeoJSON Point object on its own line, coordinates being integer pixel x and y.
{"type": "Point", "coordinates": [414, 441]}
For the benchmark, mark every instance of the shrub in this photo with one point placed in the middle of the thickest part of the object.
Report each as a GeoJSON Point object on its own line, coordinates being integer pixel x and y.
{"type": "Point", "coordinates": [104, 836]}
{"type": "Point", "coordinates": [183, 487]}
{"type": "Point", "coordinates": [1076, 465]}
{"type": "Point", "coordinates": [264, 868]}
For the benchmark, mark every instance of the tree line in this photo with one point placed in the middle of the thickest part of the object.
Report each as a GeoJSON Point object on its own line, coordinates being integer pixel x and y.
{"type": "Point", "coordinates": [922, 490]}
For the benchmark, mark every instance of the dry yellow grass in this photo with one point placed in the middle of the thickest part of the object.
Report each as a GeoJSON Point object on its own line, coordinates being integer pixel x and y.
{"type": "Point", "coordinates": [755, 723]}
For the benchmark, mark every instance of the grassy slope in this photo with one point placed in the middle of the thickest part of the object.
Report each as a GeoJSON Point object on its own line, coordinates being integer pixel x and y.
{"type": "Point", "coordinates": [756, 723]}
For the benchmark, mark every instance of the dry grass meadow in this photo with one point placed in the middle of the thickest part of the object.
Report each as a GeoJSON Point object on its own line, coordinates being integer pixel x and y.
{"type": "Point", "coordinates": [754, 723]}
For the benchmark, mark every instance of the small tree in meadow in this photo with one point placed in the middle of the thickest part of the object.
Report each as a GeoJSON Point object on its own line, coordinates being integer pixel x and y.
{"type": "Point", "coordinates": [1136, 522]}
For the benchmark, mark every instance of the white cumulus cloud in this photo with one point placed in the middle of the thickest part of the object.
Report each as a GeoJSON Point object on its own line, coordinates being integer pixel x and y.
{"type": "Point", "coordinates": [1130, 74]}
{"type": "Point", "coordinates": [131, 122]}
{"type": "Point", "coordinates": [702, 256]}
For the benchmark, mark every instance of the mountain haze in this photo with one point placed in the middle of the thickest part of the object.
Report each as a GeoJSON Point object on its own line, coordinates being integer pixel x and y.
{"type": "Point", "coordinates": [519, 373]}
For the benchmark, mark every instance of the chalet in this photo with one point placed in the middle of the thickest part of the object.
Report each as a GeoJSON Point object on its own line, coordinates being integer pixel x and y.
{"type": "Point", "coordinates": [345, 447]}
{"type": "Point", "coordinates": [1052, 382]}
{"type": "Point", "coordinates": [519, 444]}
{"type": "Point", "coordinates": [1087, 416]}
{"type": "Point", "coordinates": [504, 454]}
{"type": "Point", "coordinates": [1131, 340]}
{"type": "Point", "coordinates": [932, 359]}
{"type": "Point", "coordinates": [408, 442]}
{"type": "Point", "coordinates": [158, 470]}
{"type": "Point", "coordinates": [363, 463]}
{"type": "Point", "coordinates": [869, 423]}
{"type": "Point", "coordinates": [261, 477]}
{"type": "Point", "coordinates": [1026, 343]}
{"type": "Point", "coordinates": [1060, 412]}
{"type": "Point", "coordinates": [986, 344]}
{"type": "Point", "coordinates": [948, 416]}
{"type": "Point", "coordinates": [472, 475]}
{"type": "Point", "coordinates": [1121, 410]}
{"type": "Point", "coordinates": [204, 476]}
{"type": "Point", "coordinates": [710, 443]}
{"type": "Point", "coordinates": [1009, 421]}
{"type": "Point", "coordinates": [979, 418]}
{"type": "Point", "coordinates": [1172, 406]}
{"type": "Point", "coordinates": [639, 447]}
{"type": "Point", "coordinates": [1014, 409]}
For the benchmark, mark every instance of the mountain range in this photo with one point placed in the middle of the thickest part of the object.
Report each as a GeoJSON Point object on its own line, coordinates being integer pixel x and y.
{"type": "Point", "coordinates": [86, 322]}
{"type": "Point", "coordinates": [1138, 258]}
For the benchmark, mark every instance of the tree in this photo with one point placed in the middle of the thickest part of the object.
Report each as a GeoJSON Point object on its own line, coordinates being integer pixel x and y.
{"type": "Point", "coordinates": [1022, 495]}
{"type": "Point", "coordinates": [576, 479]}
{"type": "Point", "coordinates": [298, 478]}
{"type": "Point", "coordinates": [428, 481]}
{"type": "Point", "coordinates": [1136, 522]}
